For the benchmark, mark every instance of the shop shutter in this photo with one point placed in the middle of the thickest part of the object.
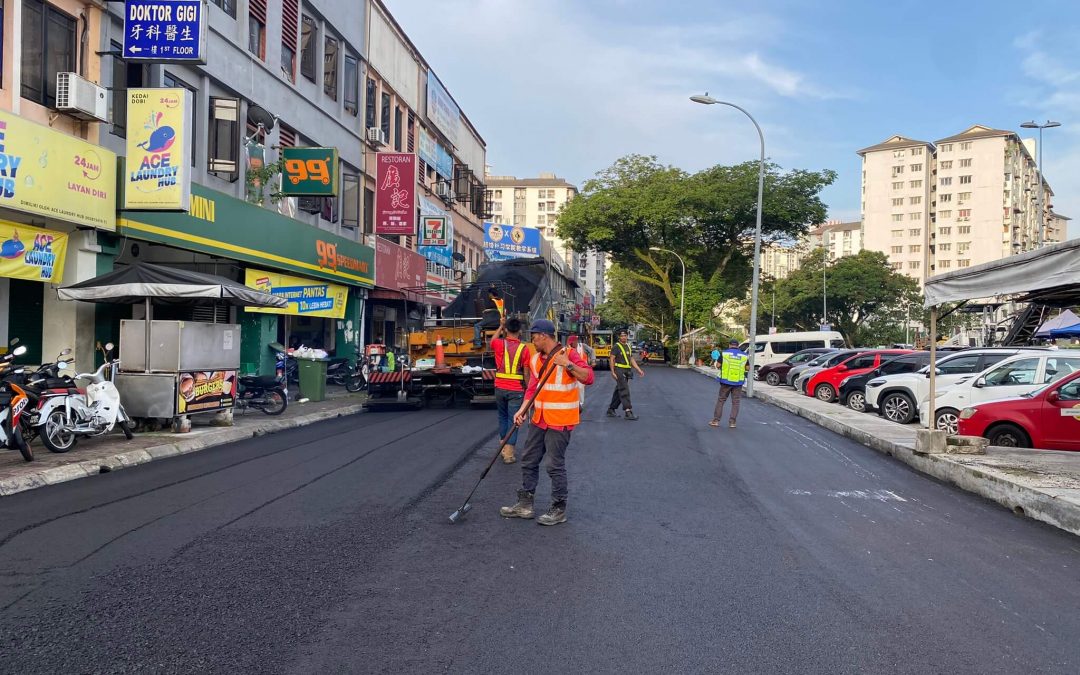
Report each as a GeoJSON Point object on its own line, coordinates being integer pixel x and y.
{"type": "Point", "coordinates": [26, 317]}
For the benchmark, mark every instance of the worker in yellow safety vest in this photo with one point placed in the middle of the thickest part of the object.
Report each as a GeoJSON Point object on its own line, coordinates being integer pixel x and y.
{"type": "Point", "coordinates": [511, 360]}
{"type": "Point", "coordinates": [733, 366]}
{"type": "Point", "coordinates": [622, 366]}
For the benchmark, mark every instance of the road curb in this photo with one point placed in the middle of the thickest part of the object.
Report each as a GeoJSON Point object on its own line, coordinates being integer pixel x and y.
{"type": "Point", "coordinates": [130, 458]}
{"type": "Point", "coordinates": [1024, 500]}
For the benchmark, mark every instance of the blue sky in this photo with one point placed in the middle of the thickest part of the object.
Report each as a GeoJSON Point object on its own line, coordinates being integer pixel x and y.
{"type": "Point", "coordinates": [568, 86]}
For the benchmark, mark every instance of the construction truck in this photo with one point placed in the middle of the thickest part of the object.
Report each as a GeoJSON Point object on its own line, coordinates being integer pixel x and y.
{"type": "Point", "coordinates": [600, 341]}
{"type": "Point", "coordinates": [447, 363]}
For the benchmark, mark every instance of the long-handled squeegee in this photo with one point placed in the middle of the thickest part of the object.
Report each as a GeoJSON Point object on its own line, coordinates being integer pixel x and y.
{"type": "Point", "coordinates": [466, 507]}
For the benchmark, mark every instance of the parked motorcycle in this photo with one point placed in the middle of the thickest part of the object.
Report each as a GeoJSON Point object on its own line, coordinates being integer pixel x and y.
{"type": "Point", "coordinates": [65, 417]}
{"type": "Point", "coordinates": [262, 392]}
{"type": "Point", "coordinates": [13, 401]}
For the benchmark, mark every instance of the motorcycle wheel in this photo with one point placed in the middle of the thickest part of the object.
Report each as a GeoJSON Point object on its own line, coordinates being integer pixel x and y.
{"type": "Point", "coordinates": [56, 434]}
{"type": "Point", "coordinates": [355, 383]}
{"type": "Point", "coordinates": [274, 402]}
{"type": "Point", "coordinates": [125, 426]}
{"type": "Point", "coordinates": [20, 442]}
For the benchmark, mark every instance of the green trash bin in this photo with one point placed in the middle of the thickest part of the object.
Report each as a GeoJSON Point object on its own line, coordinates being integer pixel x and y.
{"type": "Point", "coordinates": [312, 379]}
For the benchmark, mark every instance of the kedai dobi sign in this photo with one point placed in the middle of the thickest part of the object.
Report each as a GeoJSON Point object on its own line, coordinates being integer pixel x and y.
{"type": "Point", "coordinates": [158, 172]}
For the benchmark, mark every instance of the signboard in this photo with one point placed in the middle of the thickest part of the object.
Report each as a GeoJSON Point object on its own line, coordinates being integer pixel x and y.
{"type": "Point", "coordinates": [205, 390]}
{"type": "Point", "coordinates": [441, 109]}
{"type": "Point", "coordinates": [445, 164]}
{"type": "Point", "coordinates": [54, 175]}
{"type": "Point", "coordinates": [395, 190]}
{"type": "Point", "coordinates": [427, 148]}
{"type": "Point", "coordinates": [165, 30]}
{"type": "Point", "coordinates": [31, 253]}
{"type": "Point", "coordinates": [306, 297]}
{"type": "Point", "coordinates": [309, 171]}
{"type": "Point", "coordinates": [503, 242]}
{"type": "Point", "coordinates": [158, 171]}
{"type": "Point", "coordinates": [443, 255]}
{"type": "Point", "coordinates": [396, 267]}
{"type": "Point", "coordinates": [433, 231]}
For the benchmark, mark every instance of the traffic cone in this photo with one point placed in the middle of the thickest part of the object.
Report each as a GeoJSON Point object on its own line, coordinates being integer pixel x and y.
{"type": "Point", "coordinates": [440, 353]}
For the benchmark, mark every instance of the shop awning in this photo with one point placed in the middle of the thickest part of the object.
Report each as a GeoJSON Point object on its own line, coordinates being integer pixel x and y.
{"type": "Point", "coordinates": [1050, 275]}
{"type": "Point", "coordinates": [166, 285]}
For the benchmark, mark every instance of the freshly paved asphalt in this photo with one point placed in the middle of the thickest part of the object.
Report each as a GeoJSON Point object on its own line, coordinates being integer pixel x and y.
{"type": "Point", "coordinates": [775, 547]}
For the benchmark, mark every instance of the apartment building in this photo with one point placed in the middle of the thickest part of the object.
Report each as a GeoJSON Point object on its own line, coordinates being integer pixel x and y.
{"type": "Point", "coordinates": [779, 259]}
{"type": "Point", "coordinates": [838, 238]}
{"type": "Point", "coordinates": [592, 272]}
{"type": "Point", "coordinates": [964, 200]}
{"type": "Point", "coordinates": [532, 202]}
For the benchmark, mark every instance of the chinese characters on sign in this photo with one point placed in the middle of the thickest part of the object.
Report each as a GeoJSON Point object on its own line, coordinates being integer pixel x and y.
{"type": "Point", "coordinates": [158, 175]}
{"type": "Point", "coordinates": [395, 186]}
{"type": "Point", "coordinates": [503, 242]}
{"type": "Point", "coordinates": [165, 30]}
{"type": "Point", "coordinates": [309, 171]}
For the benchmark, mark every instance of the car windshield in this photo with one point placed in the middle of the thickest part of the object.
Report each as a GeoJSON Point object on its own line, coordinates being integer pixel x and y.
{"type": "Point", "coordinates": [818, 361]}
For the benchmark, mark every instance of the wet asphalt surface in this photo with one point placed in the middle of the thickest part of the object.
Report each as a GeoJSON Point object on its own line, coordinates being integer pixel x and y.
{"type": "Point", "coordinates": [774, 547]}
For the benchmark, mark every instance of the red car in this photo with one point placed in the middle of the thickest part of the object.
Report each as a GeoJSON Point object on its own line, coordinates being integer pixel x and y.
{"type": "Point", "coordinates": [1047, 418]}
{"type": "Point", "coordinates": [825, 384]}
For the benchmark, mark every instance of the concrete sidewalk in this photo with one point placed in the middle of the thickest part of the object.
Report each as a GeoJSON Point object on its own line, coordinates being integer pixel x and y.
{"type": "Point", "coordinates": [107, 453]}
{"type": "Point", "coordinates": [1041, 484]}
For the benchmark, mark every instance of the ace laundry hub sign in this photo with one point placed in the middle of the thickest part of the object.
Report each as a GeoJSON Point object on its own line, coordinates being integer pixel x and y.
{"type": "Point", "coordinates": [158, 174]}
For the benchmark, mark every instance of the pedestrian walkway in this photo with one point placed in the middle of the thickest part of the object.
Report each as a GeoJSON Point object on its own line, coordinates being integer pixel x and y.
{"type": "Point", "coordinates": [107, 453]}
{"type": "Point", "coordinates": [1042, 484]}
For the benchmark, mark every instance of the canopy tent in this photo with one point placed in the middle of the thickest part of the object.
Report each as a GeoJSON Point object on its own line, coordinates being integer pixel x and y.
{"type": "Point", "coordinates": [1072, 331]}
{"type": "Point", "coordinates": [145, 281]}
{"type": "Point", "coordinates": [1066, 319]}
{"type": "Point", "coordinates": [1050, 275]}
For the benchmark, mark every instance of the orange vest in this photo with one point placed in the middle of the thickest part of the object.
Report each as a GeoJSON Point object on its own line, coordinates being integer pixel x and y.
{"type": "Point", "coordinates": [557, 403]}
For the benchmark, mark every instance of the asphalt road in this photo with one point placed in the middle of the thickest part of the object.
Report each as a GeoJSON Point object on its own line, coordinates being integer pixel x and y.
{"type": "Point", "coordinates": [775, 547]}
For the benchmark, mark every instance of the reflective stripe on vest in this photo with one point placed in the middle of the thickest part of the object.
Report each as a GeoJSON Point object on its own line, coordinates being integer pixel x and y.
{"type": "Point", "coordinates": [625, 354]}
{"type": "Point", "coordinates": [557, 403]}
{"type": "Point", "coordinates": [733, 367]}
{"type": "Point", "coordinates": [510, 371]}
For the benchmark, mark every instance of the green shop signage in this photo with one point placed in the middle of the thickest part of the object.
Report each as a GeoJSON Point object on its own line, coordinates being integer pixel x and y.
{"type": "Point", "coordinates": [222, 225]}
{"type": "Point", "coordinates": [309, 171]}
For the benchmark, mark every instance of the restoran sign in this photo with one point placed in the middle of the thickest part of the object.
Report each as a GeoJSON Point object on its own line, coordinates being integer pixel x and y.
{"type": "Point", "coordinates": [158, 173]}
{"type": "Point", "coordinates": [54, 175]}
{"type": "Point", "coordinates": [395, 190]}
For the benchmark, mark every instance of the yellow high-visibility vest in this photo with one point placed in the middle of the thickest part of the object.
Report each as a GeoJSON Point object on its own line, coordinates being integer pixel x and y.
{"type": "Point", "coordinates": [626, 356]}
{"type": "Point", "coordinates": [510, 371]}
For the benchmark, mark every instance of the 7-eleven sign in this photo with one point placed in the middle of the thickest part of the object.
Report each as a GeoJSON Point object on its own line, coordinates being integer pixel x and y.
{"type": "Point", "coordinates": [433, 231]}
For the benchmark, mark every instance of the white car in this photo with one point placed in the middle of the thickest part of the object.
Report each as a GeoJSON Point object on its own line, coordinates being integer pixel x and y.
{"type": "Point", "coordinates": [897, 397]}
{"type": "Point", "coordinates": [1016, 376]}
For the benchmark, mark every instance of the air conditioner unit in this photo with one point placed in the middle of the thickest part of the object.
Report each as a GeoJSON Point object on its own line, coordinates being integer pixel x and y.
{"type": "Point", "coordinates": [81, 98]}
{"type": "Point", "coordinates": [376, 136]}
{"type": "Point", "coordinates": [442, 189]}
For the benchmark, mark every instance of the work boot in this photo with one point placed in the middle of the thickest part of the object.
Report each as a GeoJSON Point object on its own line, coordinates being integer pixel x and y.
{"type": "Point", "coordinates": [630, 415]}
{"type": "Point", "coordinates": [555, 515]}
{"type": "Point", "coordinates": [610, 413]}
{"type": "Point", "coordinates": [523, 508]}
{"type": "Point", "coordinates": [731, 424]}
{"type": "Point", "coordinates": [508, 454]}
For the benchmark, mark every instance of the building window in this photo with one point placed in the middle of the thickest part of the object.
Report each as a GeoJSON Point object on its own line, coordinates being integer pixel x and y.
{"type": "Point", "coordinates": [896, 265]}
{"type": "Point", "coordinates": [309, 33]}
{"type": "Point", "coordinates": [897, 170]}
{"type": "Point", "coordinates": [916, 215]}
{"type": "Point", "coordinates": [48, 48]}
{"type": "Point", "coordinates": [290, 18]}
{"type": "Point", "coordinates": [897, 234]}
{"type": "Point", "coordinates": [964, 163]}
{"type": "Point", "coordinates": [963, 247]}
{"type": "Point", "coordinates": [916, 183]}
{"type": "Point", "coordinates": [169, 81]}
{"type": "Point", "coordinates": [330, 68]}
{"type": "Point", "coordinates": [915, 248]}
{"type": "Point", "coordinates": [916, 152]}
{"type": "Point", "coordinates": [898, 201]}
{"type": "Point", "coordinates": [947, 147]}
{"type": "Point", "coordinates": [947, 213]}
{"type": "Point", "coordinates": [897, 249]}
{"type": "Point", "coordinates": [384, 115]}
{"type": "Point", "coordinates": [350, 199]}
{"type": "Point", "coordinates": [944, 247]}
{"type": "Point", "coordinates": [899, 185]}
{"type": "Point", "coordinates": [963, 196]}
{"type": "Point", "coordinates": [945, 231]}
{"type": "Point", "coordinates": [964, 214]}
{"type": "Point", "coordinates": [944, 264]}
{"type": "Point", "coordinates": [913, 265]}
{"type": "Point", "coordinates": [963, 263]}
{"type": "Point", "coordinates": [541, 220]}
{"type": "Point", "coordinates": [966, 145]}
{"type": "Point", "coordinates": [352, 85]}
{"type": "Point", "coordinates": [964, 180]}
{"type": "Point", "coordinates": [257, 28]}
{"type": "Point", "coordinates": [897, 217]}
{"type": "Point", "coordinates": [915, 232]}
{"type": "Point", "coordinates": [963, 229]}
{"type": "Point", "coordinates": [897, 153]}
{"type": "Point", "coordinates": [228, 6]}
{"type": "Point", "coordinates": [915, 200]}
{"type": "Point", "coordinates": [945, 198]}
{"type": "Point", "coordinates": [915, 167]}
{"type": "Point", "coordinates": [947, 164]}
{"type": "Point", "coordinates": [397, 128]}
{"type": "Point", "coordinates": [224, 142]}
{"type": "Point", "coordinates": [369, 111]}
{"type": "Point", "coordinates": [947, 180]}
{"type": "Point", "coordinates": [369, 210]}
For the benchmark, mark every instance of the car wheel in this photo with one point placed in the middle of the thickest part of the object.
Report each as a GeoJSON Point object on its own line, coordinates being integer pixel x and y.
{"type": "Point", "coordinates": [773, 379]}
{"type": "Point", "coordinates": [856, 401]}
{"type": "Point", "coordinates": [898, 408]}
{"type": "Point", "coordinates": [1009, 436]}
{"type": "Point", "coordinates": [825, 392]}
{"type": "Point", "coordinates": [947, 420]}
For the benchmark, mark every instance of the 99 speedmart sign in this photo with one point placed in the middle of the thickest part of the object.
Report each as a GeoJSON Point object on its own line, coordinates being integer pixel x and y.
{"type": "Point", "coordinates": [165, 30]}
{"type": "Point", "coordinates": [309, 172]}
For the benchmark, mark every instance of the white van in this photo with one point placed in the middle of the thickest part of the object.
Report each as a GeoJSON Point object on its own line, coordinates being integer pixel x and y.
{"type": "Point", "coordinates": [778, 346]}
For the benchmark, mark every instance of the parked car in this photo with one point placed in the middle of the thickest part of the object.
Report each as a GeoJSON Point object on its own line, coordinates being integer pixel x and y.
{"type": "Point", "coordinates": [853, 387]}
{"type": "Point", "coordinates": [898, 397]}
{"type": "Point", "coordinates": [776, 347]}
{"type": "Point", "coordinates": [825, 384]}
{"type": "Point", "coordinates": [831, 360]}
{"type": "Point", "coordinates": [1047, 418]}
{"type": "Point", "coordinates": [795, 371]}
{"type": "Point", "coordinates": [1015, 376]}
{"type": "Point", "coordinates": [775, 373]}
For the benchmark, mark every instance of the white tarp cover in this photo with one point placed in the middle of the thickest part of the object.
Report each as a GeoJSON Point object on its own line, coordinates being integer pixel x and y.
{"type": "Point", "coordinates": [1042, 269]}
{"type": "Point", "coordinates": [1063, 320]}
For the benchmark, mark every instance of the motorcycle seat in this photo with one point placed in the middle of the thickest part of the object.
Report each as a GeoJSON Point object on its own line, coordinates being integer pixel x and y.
{"type": "Point", "coordinates": [262, 381]}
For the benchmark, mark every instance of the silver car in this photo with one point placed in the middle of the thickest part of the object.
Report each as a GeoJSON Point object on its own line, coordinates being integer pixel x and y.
{"type": "Point", "coordinates": [793, 374]}
{"type": "Point", "coordinates": [814, 367]}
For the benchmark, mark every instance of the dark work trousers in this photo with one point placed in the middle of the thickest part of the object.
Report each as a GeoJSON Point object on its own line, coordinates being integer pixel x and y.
{"type": "Point", "coordinates": [507, 403]}
{"type": "Point", "coordinates": [735, 391]}
{"type": "Point", "coordinates": [543, 442]}
{"type": "Point", "coordinates": [622, 391]}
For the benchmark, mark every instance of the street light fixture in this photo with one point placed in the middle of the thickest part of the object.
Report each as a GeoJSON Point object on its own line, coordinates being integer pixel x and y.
{"type": "Point", "coordinates": [709, 100]}
{"type": "Point", "coordinates": [682, 295]}
{"type": "Point", "coordinates": [1042, 180]}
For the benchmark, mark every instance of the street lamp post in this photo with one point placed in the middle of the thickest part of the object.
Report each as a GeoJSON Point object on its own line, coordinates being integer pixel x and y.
{"type": "Point", "coordinates": [709, 100]}
{"type": "Point", "coordinates": [1042, 180]}
{"type": "Point", "coordinates": [682, 294]}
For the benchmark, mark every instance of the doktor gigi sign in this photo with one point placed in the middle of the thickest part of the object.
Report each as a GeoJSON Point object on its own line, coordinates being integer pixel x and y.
{"type": "Point", "coordinates": [306, 297]}
{"type": "Point", "coordinates": [158, 173]}
{"type": "Point", "coordinates": [52, 174]}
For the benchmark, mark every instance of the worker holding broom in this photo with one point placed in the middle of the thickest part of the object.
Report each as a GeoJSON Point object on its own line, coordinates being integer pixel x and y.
{"type": "Point", "coordinates": [555, 414]}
